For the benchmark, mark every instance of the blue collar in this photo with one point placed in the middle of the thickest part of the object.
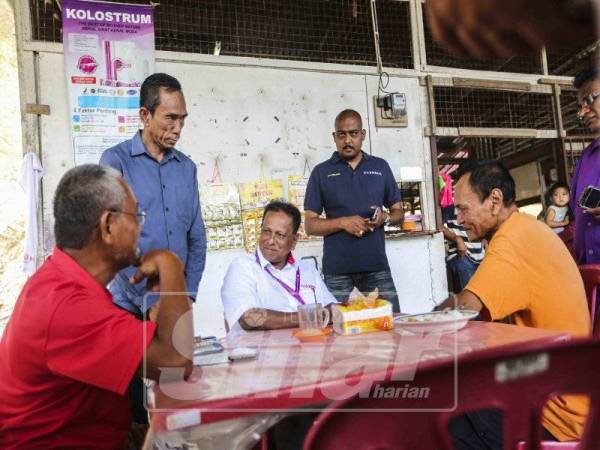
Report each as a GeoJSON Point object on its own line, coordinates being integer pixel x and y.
{"type": "Point", "coordinates": [138, 148]}
{"type": "Point", "coordinates": [335, 157]}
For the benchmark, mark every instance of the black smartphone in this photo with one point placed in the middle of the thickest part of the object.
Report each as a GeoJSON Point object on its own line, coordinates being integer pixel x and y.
{"type": "Point", "coordinates": [590, 197]}
{"type": "Point", "coordinates": [376, 213]}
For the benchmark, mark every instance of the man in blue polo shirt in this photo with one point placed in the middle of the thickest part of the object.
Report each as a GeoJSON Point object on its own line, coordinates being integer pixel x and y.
{"type": "Point", "coordinates": [352, 187]}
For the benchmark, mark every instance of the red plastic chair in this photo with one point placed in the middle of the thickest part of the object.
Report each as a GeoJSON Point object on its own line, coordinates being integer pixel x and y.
{"type": "Point", "coordinates": [590, 273]}
{"type": "Point", "coordinates": [571, 367]}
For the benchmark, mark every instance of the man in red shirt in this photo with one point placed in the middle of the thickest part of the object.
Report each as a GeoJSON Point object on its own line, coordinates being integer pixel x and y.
{"type": "Point", "coordinates": [66, 356]}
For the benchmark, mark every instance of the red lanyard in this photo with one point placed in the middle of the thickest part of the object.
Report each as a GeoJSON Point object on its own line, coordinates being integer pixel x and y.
{"type": "Point", "coordinates": [293, 292]}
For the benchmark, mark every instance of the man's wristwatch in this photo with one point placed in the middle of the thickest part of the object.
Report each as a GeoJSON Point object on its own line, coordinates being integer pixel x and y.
{"type": "Point", "coordinates": [387, 222]}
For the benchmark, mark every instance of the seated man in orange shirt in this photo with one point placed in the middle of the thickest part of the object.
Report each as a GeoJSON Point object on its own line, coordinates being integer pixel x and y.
{"type": "Point", "coordinates": [528, 274]}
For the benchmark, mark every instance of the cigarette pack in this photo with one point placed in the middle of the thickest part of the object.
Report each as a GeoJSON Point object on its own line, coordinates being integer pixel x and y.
{"type": "Point", "coordinates": [359, 318]}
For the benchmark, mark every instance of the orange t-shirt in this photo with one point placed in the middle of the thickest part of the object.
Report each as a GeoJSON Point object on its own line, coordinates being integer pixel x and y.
{"type": "Point", "coordinates": [528, 273]}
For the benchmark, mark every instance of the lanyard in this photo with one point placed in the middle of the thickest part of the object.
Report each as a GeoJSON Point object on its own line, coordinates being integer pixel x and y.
{"type": "Point", "coordinates": [293, 292]}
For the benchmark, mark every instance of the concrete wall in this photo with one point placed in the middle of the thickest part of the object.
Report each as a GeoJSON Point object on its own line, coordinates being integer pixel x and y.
{"type": "Point", "coordinates": [269, 121]}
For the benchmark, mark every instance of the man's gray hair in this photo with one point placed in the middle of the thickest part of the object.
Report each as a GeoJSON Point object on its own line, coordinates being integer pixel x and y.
{"type": "Point", "coordinates": [81, 197]}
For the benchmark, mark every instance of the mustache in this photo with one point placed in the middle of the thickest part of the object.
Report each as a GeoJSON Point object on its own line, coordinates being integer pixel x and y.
{"type": "Point", "coordinates": [348, 146]}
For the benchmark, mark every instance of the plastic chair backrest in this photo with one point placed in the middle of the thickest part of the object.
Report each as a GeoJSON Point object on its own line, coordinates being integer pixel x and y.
{"type": "Point", "coordinates": [365, 423]}
{"type": "Point", "coordinates": [590, 273]}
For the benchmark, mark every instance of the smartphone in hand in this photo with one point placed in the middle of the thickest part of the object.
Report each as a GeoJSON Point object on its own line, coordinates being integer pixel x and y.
{"type": "Point", "coordinates": [590, 197]}
{"type": "Point", "coordinates": [376, 213]}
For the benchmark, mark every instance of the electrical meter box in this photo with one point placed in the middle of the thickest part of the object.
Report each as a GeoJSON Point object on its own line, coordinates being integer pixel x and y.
{"type": "Point", "coordinates": [390, 110]}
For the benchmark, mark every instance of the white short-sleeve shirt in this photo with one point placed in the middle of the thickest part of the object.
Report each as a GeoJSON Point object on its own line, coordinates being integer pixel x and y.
{"type": "Point", "coordinates": [247, 285]}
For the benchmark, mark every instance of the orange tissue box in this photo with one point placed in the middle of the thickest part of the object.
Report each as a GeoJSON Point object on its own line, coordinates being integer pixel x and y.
{"type": "Point", "coordinates": [359, 318]}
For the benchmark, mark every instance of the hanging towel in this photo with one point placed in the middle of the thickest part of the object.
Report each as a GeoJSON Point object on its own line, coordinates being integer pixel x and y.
{"type": "Point", "coordinates": [441, 182]}
{"type": "Point", "coordinates": [31, 173]}
{"type": "Point", "coordinates": [446, 197]}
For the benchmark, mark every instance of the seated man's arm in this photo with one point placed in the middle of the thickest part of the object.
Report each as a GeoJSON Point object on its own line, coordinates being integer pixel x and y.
{"type": "Point", "coordinates": [499, 287]}
{"type": "Point", "coordinates": [99, 344]}
{"type": "Point", "coordinates": [465, 299]}
{"type": "Point", "coordinates": [172, 345]}
{"type": "Point", "coordinates": [241, 302]}
{"type": "Point", "coordinates": [316, 226]}
{"type": "Point", "coordinates": [267, 319]}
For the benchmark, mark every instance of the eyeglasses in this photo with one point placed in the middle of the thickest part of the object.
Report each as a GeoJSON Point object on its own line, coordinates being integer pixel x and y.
{"type": "Point", "coordinates": [588, 100]}
{"type": "Point", "coordinates": [279, 237]}
{"type": "Point", "coordinates": [140, 216]}
{"type": "Point", "coordinates": [341, 134]}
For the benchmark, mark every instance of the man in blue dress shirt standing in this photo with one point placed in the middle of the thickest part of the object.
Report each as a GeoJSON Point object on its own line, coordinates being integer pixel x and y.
{"type": "Point", "coordinates": [352, 187]}
{"type": "Point", "coordinates": [165, 184]}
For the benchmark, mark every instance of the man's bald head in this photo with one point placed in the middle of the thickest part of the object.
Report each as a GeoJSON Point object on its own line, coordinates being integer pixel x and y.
{"type": "Point", "coordinates": [347, 113]}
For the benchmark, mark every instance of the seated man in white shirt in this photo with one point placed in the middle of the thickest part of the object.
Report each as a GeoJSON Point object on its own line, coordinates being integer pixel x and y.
{"type": "Point", "coordinates": [262, 290]}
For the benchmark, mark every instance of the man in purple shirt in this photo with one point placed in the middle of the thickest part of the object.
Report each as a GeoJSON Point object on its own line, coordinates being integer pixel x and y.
{"type": "Point", "coordinates": [587, 171]}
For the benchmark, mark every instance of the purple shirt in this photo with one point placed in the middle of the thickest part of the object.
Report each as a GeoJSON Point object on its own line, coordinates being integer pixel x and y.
{"type": "Point", "coordinates": [587, 229]}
